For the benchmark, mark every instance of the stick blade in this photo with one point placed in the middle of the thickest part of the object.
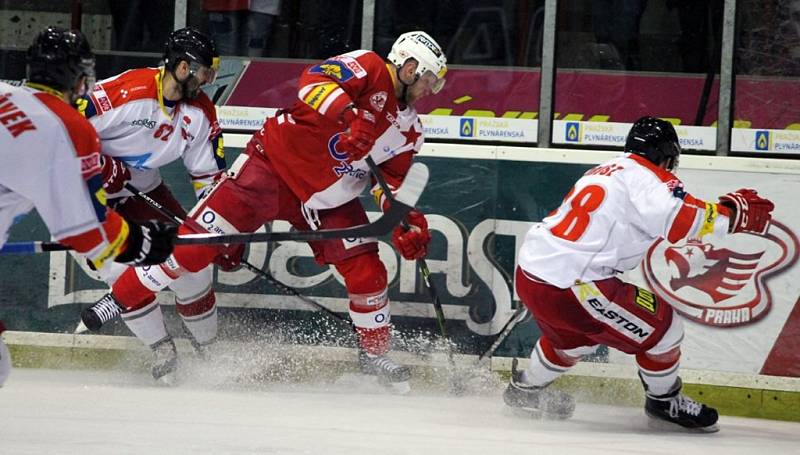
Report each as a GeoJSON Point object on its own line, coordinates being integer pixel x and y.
{"type": "Point", "coordinates": [413, 185]}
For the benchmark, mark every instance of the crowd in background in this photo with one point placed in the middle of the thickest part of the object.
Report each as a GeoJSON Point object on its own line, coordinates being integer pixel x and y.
{"type": "Point", "coordinates": [633, 35]}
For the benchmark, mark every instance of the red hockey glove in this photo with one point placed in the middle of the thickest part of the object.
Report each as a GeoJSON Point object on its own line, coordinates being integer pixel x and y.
{"type": "Point", "coordinates": [749, 211]}
{"type": "Point", "coordinates": [361, 134]}
{"type": "Point", "coordinates": [413, 242]}
{"type": "Point", "coordinates": [115, 174]}
{"type": "Point", "coordinates": [230, 258]}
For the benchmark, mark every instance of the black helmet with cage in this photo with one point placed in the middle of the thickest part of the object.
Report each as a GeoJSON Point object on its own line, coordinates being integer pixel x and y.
{"type": "Point", "coordinates": [195, 48]}
{"type": "Point", "coordinates": [58, 58]}
{"type": "Point", "coordinates": [656, 140]}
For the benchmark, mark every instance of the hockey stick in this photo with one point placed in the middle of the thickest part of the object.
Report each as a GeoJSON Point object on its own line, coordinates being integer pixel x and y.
{"type": "Point", "coordinates": [512, 322]}
{"type": "Point", "coordinates": [423, 266]}
{"type": "Point", "coordinates": [406, 198]}
{"type": "Point", "coordinates": [457, 385]}
{"type": "Point", "coordinates": [260, 273]}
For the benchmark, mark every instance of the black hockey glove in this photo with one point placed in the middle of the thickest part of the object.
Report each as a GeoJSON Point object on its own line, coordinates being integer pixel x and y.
{"type": "Point", "coordinates": [149, 243]}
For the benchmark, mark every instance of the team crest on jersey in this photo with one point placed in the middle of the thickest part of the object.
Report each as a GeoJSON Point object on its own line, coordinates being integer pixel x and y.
{"type": "Point", "coordinates": [378, 100]}
{"type": "Point", "coordinates": [333, 68]}
{"type": "Point", "coordinates": [725, 283]}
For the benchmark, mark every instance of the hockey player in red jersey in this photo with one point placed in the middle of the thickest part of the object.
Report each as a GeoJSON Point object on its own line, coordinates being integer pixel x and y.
{"type": "Point", "coordinates": [147, 118]}
{"type": "Point", "coordinates": [56, 167]}
{"type": "Point", "coordinates": [306, 165]}
{"type": "Point", "coordinates": [567, 266]}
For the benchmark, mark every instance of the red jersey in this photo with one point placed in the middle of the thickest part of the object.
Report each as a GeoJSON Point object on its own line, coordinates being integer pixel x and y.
{"type": "Point", "coordinates": [301, 142]}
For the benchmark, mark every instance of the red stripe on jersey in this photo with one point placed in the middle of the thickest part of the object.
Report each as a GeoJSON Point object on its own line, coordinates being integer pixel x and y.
{"type": "Point", "coordinates": [81, 132]}
{"type": "Point", "coordinates": [662, 174]}
{"type": "Point", "coordinates": [108, 233]}
{"type": "Point", "coordinates": [682, 223]}
{"type": "Point", "coordinates": [203, 102]}
{"type": "Point", "coordinates": [693, 201]}
{"type": "Point", "coordinates": [129, 86]}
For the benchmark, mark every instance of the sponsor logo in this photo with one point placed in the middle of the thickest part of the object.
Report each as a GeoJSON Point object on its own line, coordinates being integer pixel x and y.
{"type": "Point", "coordinates": [333, 144]}
{"type": "Point", "coordinates": [90, 163]}
{"type": "Point", "coordinates": [343, 168]}
{"type": "Point", "coordinates": [466, 127]}
{"type": "Point", "coordinates": [573, 132]}
{"type": "Point", "coordinates": [616, 316]}
{"type": "Point", "coordinates": [427, 43]}
{"type": "Point", "coordinates": [378, 100]}
{"type": "Point", "coordinates": [105, 104]}
{"type": "Point", "coordinates": [333, 68]}
{"type": "Point", "coordinates": [763, 141]}
{"type": "Point", "coordinates": [145, 122]}
{"type": "Point", "coordinates": [353, 65]}
{"type": "Point", "coordinates": [354, 242]}
{"type": "Point", "coordinates": [646, 300]}
{"type": "Point", "coordinates": [725, 283]}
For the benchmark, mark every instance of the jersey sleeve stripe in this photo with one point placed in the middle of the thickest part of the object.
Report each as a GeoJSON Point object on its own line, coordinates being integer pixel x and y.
{"type": "Point", "coordinates": [317, 95]}
{"type": "Point", "coordinates": [339, 95]}
{"type": "Point", "coordinates": [682, 224]}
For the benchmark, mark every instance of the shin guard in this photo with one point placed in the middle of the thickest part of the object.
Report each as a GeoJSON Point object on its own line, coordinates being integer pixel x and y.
{"type": "Point", "coordinates": [547, 363]}
{"type": "Point", "coordinates": [365, 278]}
{"type": "Point", "coordinates": [200, 317]}
{"type": "Point", "coordinates": [147, 323]}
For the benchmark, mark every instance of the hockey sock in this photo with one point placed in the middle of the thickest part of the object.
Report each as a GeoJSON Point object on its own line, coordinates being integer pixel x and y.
{"type": "Point", "coordinates": [365, 278]}
{"type": "Point", "coordinates": [200, 317]}
{"type": "Point", "coordinates": [147, 323]}
{"type": "Point", "coordinates": [547, 363]}
{"type": "Point", "coordinates": [659, 372]}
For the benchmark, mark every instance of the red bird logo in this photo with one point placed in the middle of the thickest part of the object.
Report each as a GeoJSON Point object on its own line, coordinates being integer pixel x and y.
{"type": "Point", "coordinates": [720, 273]}
{"type": "Point", "coordinates": [724, 283]}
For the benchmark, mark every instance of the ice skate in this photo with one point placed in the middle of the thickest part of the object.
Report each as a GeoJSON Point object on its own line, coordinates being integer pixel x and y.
{"type": "Point", "coordinates": [675, 410]}
{"type": "Point", "coordinates": [389, 373]}
{"type": "Point", "coordinates": [101, 312]}
{"type": "Point", "coordinates": [165, 361]}
{"type": "Point", "coordinates": [202, 349]}
{"type": "Point", "coordinates": [537, 401]}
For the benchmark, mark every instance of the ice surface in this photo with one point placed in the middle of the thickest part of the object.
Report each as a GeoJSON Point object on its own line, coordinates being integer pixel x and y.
{"type": "Point", "coordinates": [86, 412]}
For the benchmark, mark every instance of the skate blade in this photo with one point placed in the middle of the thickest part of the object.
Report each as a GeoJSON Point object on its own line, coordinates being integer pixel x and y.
{"type": "Point", "coordinates": [399, 388]}
{"type": "Point", "coordinates": [538, 414]}
{"type": "Point", "coordinates": [168, 380]}
{"type": "Point", "coordinates": [81, 328]}
{"type": "Point", "coordinates": [663, 425]}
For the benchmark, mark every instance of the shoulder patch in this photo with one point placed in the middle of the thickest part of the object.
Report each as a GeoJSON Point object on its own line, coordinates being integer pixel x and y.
{"type": "Point", "coordinates": [335, 69]}
{"type": "Point", "coordinates": [353, 65]}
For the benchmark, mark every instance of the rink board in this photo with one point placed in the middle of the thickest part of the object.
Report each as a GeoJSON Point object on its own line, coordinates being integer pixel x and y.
{"type": "Point", "coordinates": [480, 202]}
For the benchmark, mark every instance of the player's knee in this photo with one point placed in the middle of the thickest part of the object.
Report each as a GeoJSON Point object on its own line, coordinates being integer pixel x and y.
{"type": "Point", "coordinates": [190, 258]}
{"type": "Point", "coordinates": [667, 351]}
{"type": "Point", "coordinates": [556, 356]}
{"type": "Point", "coordinates": [363, 274]}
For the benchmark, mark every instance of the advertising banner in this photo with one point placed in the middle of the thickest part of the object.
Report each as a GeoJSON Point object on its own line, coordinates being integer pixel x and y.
{"type": "Point", "coordinates": [739, 297]}
{"type": "Point", "coordinates": [594, 99]}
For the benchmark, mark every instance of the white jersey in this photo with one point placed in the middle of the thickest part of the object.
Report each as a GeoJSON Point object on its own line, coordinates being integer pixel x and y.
{"type": "Point", "coordinates": [137, 126]}
{"type": "Point", "coordinates": [609, 219]}
{"type": "Point", "coordinates": [51, 162]}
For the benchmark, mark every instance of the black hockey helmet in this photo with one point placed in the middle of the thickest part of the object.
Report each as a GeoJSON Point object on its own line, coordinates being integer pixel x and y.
{"type": "Point", "coordinates": [190, 45]}
{"type": "Point", "coordinates": [59, 57]}
{"type": "Point", "coordinates": [654, 139]}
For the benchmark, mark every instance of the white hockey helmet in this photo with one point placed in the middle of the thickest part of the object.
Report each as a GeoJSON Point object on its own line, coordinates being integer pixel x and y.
{"type": "Point", "coordinates": [426, 51]}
